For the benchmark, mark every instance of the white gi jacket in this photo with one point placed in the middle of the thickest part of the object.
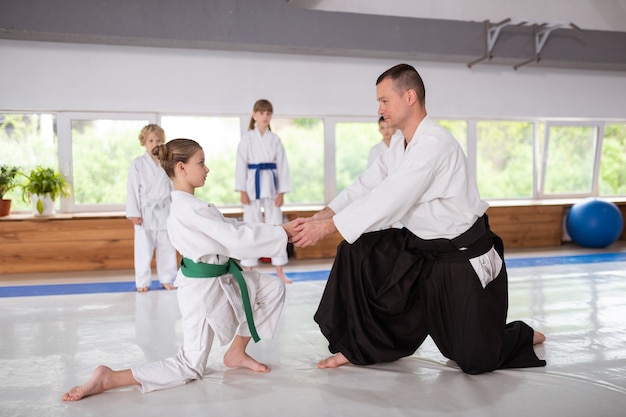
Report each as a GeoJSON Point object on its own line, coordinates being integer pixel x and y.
{"type": "Point", "coordinates": [201, 233]}
{"type": "Point", "coordinates": [255, 149]}
{"type": "Point", "coordinates": [375, 152]}
{"type": "Point", "coordinates": [426, 187]}
{"type": "Point", "coordinates": [148, 193]}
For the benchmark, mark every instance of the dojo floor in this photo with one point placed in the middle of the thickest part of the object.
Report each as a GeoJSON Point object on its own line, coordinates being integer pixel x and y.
{"type": "Point", "coordinates": [56, 328]}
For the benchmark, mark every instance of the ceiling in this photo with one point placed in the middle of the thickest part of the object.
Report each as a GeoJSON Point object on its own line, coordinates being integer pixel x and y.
{"type": "Point", "coordinates": [461, 32]}
{"type": "Point", "coordinates": [609, 15]}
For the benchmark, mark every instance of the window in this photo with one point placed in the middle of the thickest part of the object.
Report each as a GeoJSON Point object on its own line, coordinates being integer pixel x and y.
{"type": "Point", "coordinates": [511, 159]}
{"type": "Point", "coordinates": [26, 141]}
{"type": "Point", "coordinates": [613, 161]}
{"type": "Point", "coordinates": [353, 142]}
{"type": "Point", "coordinates": [219, 137]}
{"type": "Point", "coordinates": [101, 149]}
{"type": "Point", "coordinates": [569, 159]}
{"type": "Point", "coordinates": [303, 139]}
{"type": "Point", "coordinates": [504, 160]}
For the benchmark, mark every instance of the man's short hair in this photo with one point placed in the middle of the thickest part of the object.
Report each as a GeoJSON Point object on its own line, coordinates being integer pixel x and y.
{"type": "Point", "coordinates": [404, 78]}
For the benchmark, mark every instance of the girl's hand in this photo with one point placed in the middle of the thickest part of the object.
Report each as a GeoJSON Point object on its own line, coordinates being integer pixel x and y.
{"type": "Point", "coordinates": [278, 201]}
{"type": "Point", "coordinates": [245, 200]}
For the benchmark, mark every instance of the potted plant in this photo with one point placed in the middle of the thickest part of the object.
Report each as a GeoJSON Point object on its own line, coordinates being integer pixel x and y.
{"type": "Point", "coordinates": [42, 187]}
{"type": "Point", "coordinates": [8, 181]}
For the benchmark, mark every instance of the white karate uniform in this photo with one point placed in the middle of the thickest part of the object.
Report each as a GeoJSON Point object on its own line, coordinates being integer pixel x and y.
{"type": "Point", "coordinates": [148, 197]}
{"type": "Point", "coordinates": [256, 149]}
{"type": "Point", "coordinates": [426, 187]}
{"type": "Point", "coordinates": [213, 306]}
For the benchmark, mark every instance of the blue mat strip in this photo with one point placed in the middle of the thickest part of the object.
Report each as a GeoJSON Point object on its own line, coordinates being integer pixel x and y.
{"type": "Point", "coordinates": [112, 287]}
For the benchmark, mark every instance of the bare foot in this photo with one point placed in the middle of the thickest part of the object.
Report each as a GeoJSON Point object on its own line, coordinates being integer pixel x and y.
{"type": "Point", "coordinates": [168, 287]}
{"type": "Point", "coordinates": [538, 338]}
{"type": "Point", "coordinates": [334, 361]}
{"type": "Point", "coordinates": [284, 278]}
{"type": "Point", "coordinates": [242, 360]}
{"type": "Point", "coordinates": [142, 289]}
{"type": "Point", "coordinates": [99, 382]}
{"type": "Point", "coordinates": [281, 274]}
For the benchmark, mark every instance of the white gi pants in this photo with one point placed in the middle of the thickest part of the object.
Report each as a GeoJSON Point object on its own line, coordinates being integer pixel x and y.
{"type": "Point", "coordinates": [209, 307]}
{"type": "Point", "coordinates": [271, 215]}
{"type": "Point", "coordinates": [146, 241]}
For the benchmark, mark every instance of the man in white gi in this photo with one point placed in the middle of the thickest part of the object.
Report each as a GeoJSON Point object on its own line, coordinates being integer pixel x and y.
{"type": "Point", "coordinates": [442, 275]}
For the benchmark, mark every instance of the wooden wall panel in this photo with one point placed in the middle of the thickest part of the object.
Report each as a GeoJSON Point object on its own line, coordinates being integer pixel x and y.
{"type": "Point", "coordinates": [527, 226]}
{"type": "Point", "coordinates": [105, 242]}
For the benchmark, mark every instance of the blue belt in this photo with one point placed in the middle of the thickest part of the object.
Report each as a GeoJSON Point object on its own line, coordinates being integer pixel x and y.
{"type": "Point", "coordinates": [257, 175]}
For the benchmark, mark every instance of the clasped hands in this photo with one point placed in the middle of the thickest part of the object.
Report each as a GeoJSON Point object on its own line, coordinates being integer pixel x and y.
{"type": "Point", "coordinates": [308, 231]}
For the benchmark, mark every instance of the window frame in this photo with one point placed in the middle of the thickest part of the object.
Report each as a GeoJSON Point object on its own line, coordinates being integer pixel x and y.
{"type": "Point", "coordinates": [598, 138]}
{"type": "Point", "coordinates": [66, 166]}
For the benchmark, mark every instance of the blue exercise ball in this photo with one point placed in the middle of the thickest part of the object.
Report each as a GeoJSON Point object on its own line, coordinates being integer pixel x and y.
{"type": "Point", "coordinates": [594, 223]}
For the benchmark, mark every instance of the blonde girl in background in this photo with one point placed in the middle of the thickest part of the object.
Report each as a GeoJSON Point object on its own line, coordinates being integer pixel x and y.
{"type": "Point", "coordinates": [215, 297]}
{"type": "Point", "coordinates": [147, 206]}
{"type": "Point", "coordinates": [262, 177]}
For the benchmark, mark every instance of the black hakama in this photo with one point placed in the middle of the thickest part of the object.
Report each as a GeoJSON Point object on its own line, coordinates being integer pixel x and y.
{"type": "Point", "coordinates": [390, 289]}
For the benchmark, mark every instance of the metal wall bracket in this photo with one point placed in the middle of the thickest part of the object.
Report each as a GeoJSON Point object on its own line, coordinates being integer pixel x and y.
{"type": "Point", "coordinates": [541, 32]}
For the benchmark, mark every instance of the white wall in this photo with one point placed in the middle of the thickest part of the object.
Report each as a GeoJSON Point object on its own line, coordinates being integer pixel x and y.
{"type": "Point", "coordinates": [41, 76]}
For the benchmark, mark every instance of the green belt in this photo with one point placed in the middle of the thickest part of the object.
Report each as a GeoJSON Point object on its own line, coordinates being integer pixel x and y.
{"type": "Point", "coordinates": [191, 269]}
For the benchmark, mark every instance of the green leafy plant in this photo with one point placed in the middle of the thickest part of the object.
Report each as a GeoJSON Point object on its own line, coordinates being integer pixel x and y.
{"type": "Point", "coordinates": [8, 179]}
{"type": "Point", "coordinates": [43, 181]}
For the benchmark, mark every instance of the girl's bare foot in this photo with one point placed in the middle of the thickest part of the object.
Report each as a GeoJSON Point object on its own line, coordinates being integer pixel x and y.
{"type": "Point", "coordinates": [242, 360]}
{"type": "Point", "coordinates": [142, 289]}
{"type": "Point", "coordinates": [103, 378]}
{"type": "Point", "coordinates": [168, 287]}
{"type": "Point", "coordinates": [334, 361]}
{"type": "Point", "coordinates": [284, 278]}
{"type": "Point", "coordinates": [281, 274]}
{"type": "Point", "coordinates": [98, 383]}
{"type": "Point", "coordinates": [538, 338]}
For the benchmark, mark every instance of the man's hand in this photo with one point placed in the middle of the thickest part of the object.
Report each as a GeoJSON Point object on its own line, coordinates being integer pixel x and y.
{"type": "Point", "coordinates": [309, 232]}
{"type": "Point", "coordinates": [137, 221]}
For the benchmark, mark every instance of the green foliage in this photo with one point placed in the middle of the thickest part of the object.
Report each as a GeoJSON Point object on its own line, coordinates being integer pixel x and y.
{"type": "Point", "coordinates": [570, 160]}
{"type": "Point", "coordinates": [304, 144]}
{"type": "Point", "coordinates": [102, 152]}
{"type": "Point", "coordinates": [353, 142]}
{"type": "Point", "coordinates": [613, 161]}
{"type": "Point", "coordinates": [505, 159]}
{"type": "Point", "coordinates": [43, 181]}
{"type": "Point", "coordinates": [27, 140]}
{"type": "Point", "coordinates": [8, 179]}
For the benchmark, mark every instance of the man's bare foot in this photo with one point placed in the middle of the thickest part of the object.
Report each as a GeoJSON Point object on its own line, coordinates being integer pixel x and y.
{"type": "Point", "coordinates": [334, 361]}
{"type": "Point", "coordinates": [99, 382]}
{"type": "Point", "coordinates": [242, 360]}
{"type": "Point", "coordinates": [538, 338]}
{"type": "Point", "coordinates": [142, 289]}
{"type": "Point", "coordinates": [168, 287]}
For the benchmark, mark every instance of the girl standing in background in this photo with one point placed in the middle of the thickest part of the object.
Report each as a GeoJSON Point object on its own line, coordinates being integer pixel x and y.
{"type": "Point", "coordinates": [147, 206]}
{"type": "Point", "coordinates": [262, 177]}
